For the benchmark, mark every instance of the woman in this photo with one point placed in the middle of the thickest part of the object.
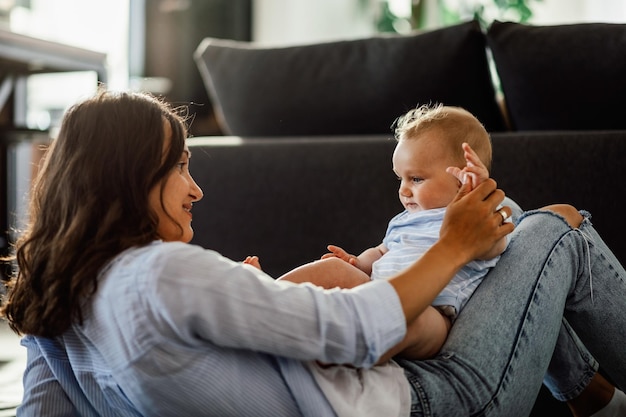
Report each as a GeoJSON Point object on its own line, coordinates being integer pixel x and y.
{"type": "Point", "coordinates": [123, 317]}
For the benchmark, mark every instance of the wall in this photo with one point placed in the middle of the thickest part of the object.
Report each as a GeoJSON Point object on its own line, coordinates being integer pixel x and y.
{"type": "Point", "coordinates": [573, 11]}
{"type": "Point", "coordinates": [300, 21]}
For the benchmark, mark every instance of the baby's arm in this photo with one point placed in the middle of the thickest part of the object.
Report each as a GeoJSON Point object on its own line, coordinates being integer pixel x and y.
{"type": "Point", "coordinates": [364, 261]}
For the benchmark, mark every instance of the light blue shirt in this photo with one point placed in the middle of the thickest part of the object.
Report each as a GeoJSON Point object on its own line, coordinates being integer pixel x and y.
{"type": "Point", "coordinates": [177, 330]}
{"type": "Point", "coordinates": [408, 236]}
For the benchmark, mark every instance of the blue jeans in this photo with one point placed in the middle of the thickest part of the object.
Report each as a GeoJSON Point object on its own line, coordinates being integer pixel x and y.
{"type": "Point", "coordinates": [503, 342]}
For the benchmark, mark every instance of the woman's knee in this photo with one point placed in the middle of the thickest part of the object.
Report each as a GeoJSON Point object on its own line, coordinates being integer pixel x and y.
{"type": "Point", "coordinates": [569, 212]}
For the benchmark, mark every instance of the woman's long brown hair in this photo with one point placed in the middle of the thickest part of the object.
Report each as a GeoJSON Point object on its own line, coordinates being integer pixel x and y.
{"type": "Point", "coordinates": [88, 204]}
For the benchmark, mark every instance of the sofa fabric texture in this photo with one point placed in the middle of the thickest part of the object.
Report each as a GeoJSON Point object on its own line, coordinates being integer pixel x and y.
{"type": "Point", "coordinates": [355, 86]}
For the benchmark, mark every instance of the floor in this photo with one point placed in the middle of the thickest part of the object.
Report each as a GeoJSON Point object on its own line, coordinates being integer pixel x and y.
{"type": "Point", "coordinates": [12, 362]}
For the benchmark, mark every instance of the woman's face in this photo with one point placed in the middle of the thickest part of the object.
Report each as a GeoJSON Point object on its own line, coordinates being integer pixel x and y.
{"type": "Point", "coordinates": [172, 200]}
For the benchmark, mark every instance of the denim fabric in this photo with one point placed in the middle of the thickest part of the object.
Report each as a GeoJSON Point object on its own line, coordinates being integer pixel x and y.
{"type": "Point", "coordinates": [571, 367]}
{"type": "Point", "coordinates": [493, 364]}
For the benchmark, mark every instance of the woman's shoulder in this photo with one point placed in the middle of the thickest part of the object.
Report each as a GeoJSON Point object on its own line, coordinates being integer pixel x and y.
{"type": "Point", "coordinates": [159, 251]}
{"type": "Point", "coordinates": [146, 274]}
{"type": "Point", "coordinates": [147, 262]}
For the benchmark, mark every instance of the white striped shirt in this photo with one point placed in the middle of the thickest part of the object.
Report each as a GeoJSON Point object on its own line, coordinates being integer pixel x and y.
{"type": "Point", "coordinates": [177, 330]}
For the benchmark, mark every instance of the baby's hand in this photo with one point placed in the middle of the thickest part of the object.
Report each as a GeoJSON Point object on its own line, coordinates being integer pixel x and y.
{"type": "Point", "coordinates": [254, 261]}
{"type": "Point", "coordinates": [337, 252]}
{"type": "Point", "coordinates": [475, 171]}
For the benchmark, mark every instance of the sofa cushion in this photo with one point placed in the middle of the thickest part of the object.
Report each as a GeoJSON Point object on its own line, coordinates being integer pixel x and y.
{"type": "Point", "coordinates": [561, 77]}
{"type": "Point", "coordinates": [575, 167]}
{"type": "Point", "coordinates": [346, 87]}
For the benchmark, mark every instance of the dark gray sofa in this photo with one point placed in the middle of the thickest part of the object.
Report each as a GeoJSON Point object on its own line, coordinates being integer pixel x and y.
{"type": "Point", "coordinates": [306, 160]}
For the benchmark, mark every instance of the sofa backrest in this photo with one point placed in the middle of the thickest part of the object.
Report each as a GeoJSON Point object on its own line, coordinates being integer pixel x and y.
{"type": "Point", "coordinates": [561, 77]}
{"type": "Point", "coordinates": [556, 77]}
{"type": "Point", "coordinates": [355, 86]}
{"type": "Point", "coordinates": [581, 168]}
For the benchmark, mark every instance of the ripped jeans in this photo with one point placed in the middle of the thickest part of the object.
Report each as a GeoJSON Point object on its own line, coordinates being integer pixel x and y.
{"type": "Point", "coordinates": [519, 325]}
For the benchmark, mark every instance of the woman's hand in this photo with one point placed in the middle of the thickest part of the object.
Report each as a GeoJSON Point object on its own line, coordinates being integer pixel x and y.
{"type": "Point", "coordinates": [473, 222]}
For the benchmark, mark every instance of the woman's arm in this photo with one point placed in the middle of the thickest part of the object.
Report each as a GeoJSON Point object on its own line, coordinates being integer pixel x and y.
{"type": "Point", "coordinates": [43, 393]}
{"type": "Point", "coordinates": [200, 298]}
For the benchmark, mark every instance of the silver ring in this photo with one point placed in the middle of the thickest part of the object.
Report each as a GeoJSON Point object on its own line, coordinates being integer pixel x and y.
{"type": "Point", "coordinates": [504, 214]}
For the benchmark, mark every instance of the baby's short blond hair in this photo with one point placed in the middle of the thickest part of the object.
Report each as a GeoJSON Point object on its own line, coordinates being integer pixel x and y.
{"type": "Point", "coordinates": [457, 125]}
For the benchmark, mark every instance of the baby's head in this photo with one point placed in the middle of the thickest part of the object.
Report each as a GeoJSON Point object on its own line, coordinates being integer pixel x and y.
{"type": "Point", "coordinates": [453, 125]}
{"type": "Point", "coordinates": [429, 141]}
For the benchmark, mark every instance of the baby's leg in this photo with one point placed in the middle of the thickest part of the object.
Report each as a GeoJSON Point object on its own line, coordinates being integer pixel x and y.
{"type": "Point", "coordinates": [328, 273]}
{"type": "Point", "coordinates": [429, 331]}
{"type": "Point", "coordinates": [424, 336]}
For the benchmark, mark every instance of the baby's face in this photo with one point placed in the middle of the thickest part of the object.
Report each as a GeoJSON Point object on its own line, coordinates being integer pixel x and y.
{"type": "Point", "coordinates": [420, 165]}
